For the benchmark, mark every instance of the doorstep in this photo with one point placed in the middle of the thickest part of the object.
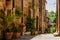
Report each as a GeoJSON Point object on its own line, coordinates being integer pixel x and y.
{"type": "Point", "coordinates": [27, 33]}
{"type": "Point", "coordinates": [56, 34]}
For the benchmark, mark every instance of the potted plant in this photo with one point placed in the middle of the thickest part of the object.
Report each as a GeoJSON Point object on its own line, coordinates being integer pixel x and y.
{"type": "Point", "coordinates": [23, 28]}
{"type": "Point", "coordinates": [18, 16]}
{"type": "Point", "coordinates": [9, 26]}
{"type": "Point", "coordinates": [1, 30]}
{"type": "Point", "coordinates": [32, 32]}
{"type": "Point", "coordinates": [36, 32]}
{"type": "Point", "coordinates": [17, 32]}
{"type": "Point", "coordinates": [30, 25]}
{"type": "Point", "coordinates": [9, 32]}
{"type": "Point", "coordinates": [1, 23]}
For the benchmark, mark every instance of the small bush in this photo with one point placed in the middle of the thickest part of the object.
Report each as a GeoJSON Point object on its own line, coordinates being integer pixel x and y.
{"type": "Point", "coordinates": [53, 29]}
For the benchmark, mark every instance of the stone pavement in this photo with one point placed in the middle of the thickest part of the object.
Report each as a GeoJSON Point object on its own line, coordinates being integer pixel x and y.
{"type": "Point", "coordinates": [45, 37]}
{"type": "Point", "coordinates": [28, 37]}
{"type": "Point", "coordinates": [40, 37]}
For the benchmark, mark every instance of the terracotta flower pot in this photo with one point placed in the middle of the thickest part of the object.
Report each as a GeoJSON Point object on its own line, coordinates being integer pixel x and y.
{"type": "Point", "coordinates": [17, 34]}
{"type": "Point", "coordinates": [8, 35]}
{"type": "Point", "coordinates": [24, 28]}
{"type": "Point", "coordinates": [36, 32]}
{"type": "Point", "coordinates": [1, 20]}
{"type": "Point", "coordinates": [1, 35]}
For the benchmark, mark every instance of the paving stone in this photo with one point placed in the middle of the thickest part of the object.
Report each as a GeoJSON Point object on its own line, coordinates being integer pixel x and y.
{"type": "Point", "coordinates": [40, 37]}
{"type": "Point", "coordinates": [45, 37]}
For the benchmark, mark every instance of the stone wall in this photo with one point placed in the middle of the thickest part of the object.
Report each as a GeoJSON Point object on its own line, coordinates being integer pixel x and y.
{"type": "Point", "coordinates": [58, 17]}
{"type": "Point", "coordinates": [37, 12]}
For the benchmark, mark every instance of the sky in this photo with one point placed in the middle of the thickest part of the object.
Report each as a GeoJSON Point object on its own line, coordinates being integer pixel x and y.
{"type": "Point", "coordinates": [51, 5]}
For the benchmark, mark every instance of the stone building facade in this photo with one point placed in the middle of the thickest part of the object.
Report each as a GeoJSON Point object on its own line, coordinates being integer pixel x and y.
{"type": "Point", "coordinates": [33, 8]}
{"type": "Point", "coordinates": [37, 11]}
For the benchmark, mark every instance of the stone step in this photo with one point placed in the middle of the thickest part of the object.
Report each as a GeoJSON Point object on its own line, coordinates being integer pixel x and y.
{"type": "Point", "coordinates": [56, 34]}
{"type": "Point", "coordinates": [27, 33]}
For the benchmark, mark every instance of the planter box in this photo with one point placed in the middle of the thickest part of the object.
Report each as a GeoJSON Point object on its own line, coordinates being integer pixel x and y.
{"type": "Point", "coordinates": [8, 35]}
{"type": "Point", "coordinates": [17, 35]}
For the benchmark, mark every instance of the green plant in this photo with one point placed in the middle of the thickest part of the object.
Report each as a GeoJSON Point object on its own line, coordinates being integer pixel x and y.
{"type": "Point", "coordinates": [18, 12]}
{"type": "Point", "coordinates": [10, 28]}
{"type": "Point", "coordinates": [2, 17]}
{"type": "Point", "coordinates": [52, 16]}
{"type": "Point", "coordinates": [16, 29]}
{"type": "Point", "coordinates": [53, 29]}
{"type": "Point", "coordinates": [10, 17]}
{"type": "Point", "coordinates": [30, 24]}
{"type": "Point", "coordinates": [8, 20]}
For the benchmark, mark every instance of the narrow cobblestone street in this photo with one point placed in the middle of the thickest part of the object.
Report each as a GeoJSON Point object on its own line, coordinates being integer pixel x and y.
{"type": "Point", "coordinates": [40, 37]}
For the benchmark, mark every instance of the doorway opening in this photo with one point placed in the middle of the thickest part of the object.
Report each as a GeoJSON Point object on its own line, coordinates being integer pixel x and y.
{"type": "Point", "coordinates": [51, 7]}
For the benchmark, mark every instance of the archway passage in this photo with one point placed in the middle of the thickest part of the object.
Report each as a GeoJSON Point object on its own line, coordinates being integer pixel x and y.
{"type": "Point", "coordinates": [51, 16]}
{"type": "Point", "coordinates": [58, 17]}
